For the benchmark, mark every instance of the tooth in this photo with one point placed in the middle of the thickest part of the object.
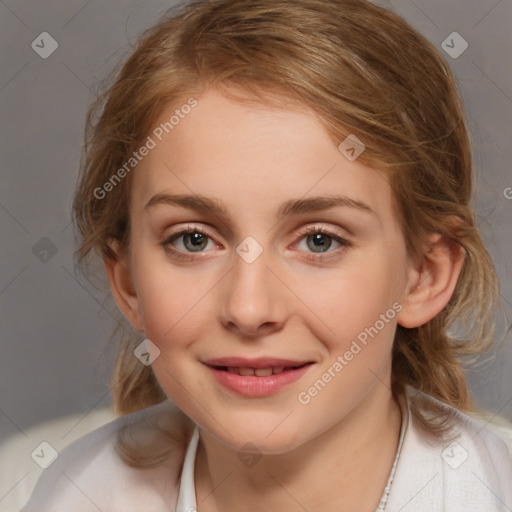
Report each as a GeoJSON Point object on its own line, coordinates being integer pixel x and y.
{"type": "Point", "coordinates": [231, 369]}
{"type": "Point", "coordinates": [263, 372]}
{"type": "Point", "coordinates": [246, 371]}
{"type": "Point", "coordinates": [277, 369]}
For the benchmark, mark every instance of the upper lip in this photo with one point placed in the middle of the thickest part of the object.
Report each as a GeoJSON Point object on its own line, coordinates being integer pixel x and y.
{"type": "Point", "coordinates": [260, 362]}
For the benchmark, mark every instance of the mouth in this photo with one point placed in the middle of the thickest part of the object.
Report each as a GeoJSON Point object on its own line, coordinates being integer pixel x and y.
{"type": "Point", "coordinates": [257, 377]}
{"type": "Point", "coordinates": [246, 371]}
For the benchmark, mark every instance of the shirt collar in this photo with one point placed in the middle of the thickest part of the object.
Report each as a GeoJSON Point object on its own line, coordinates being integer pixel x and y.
{"type": "Point", "coordinates": [187, 492]}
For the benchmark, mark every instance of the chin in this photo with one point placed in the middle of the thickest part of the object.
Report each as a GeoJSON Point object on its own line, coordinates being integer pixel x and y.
{"type": "Point", "coordinates": [260, 438]}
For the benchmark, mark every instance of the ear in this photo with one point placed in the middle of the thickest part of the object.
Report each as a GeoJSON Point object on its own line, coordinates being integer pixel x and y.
{"type": "Point", "coordinates": [120, 279]}
{"type": "Point", "coordinates": [432, 281]}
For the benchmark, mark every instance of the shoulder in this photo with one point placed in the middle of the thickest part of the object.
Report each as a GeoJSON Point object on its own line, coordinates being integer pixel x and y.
{"type": "Point", "coordinates": [90, 474]}
{"type": "Point", "coordinates": [466, 468]}
{"type": "Point", "coordinates": [471, 434]}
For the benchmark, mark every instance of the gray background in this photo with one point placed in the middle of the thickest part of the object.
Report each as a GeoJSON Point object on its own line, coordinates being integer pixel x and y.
{"type": "Point", "coordinates": [55, 358]}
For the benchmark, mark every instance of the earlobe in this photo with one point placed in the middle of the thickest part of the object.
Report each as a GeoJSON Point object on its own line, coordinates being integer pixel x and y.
{"type": "Point", "coordinates": [121, 285]}
{"type": "Point", "coordinates": [432, 281]}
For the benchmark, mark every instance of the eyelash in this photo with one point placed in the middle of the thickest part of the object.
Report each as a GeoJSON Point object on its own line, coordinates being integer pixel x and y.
{"type": "Point", "coordinates": [309, 230]}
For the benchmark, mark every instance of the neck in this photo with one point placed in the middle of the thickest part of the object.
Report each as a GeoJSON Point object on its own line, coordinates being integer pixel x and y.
{"type": "Point", "coordinates": [347, 467]}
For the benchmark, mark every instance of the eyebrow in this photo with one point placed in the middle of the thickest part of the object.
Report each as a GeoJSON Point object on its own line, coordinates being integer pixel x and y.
{"type": "Point", "coordinates": [204, 204]}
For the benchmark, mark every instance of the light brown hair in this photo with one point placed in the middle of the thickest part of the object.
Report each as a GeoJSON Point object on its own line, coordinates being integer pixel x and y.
{"type": "Point", "coordinates": [364, 71]}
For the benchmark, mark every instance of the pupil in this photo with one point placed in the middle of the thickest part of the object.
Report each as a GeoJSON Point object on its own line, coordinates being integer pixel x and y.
{"type": "Point", "coordinates": [319, 241]}
{"type": "Point", "coordinates": [198, 241]}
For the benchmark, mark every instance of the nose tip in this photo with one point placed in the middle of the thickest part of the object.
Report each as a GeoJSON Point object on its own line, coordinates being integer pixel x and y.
{"type": "Point", "coordinates": [250, 330]}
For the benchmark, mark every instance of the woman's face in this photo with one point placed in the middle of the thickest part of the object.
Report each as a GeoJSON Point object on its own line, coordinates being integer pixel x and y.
{"type": "Point", "coordinates": [293, 259]}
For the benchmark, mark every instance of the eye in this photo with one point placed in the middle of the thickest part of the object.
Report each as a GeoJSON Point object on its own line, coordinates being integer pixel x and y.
{"type": "Point", "coordinates": [189, 240]}
{"type": "Point", "coordinates": [317, 240]}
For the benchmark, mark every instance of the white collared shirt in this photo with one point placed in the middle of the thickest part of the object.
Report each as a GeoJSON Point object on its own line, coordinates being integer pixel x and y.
{"type": "Point", "coordinates": [469, 472]}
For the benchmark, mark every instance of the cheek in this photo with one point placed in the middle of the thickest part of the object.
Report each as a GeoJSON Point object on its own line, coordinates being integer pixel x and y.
{"type": "Point", "coordinates": [172, 307]}
{"type": "Point", "coordinates": [360, 312]}
{"type": "Point", "coordinates": [169, 301]}
{"type": "Point", "coordinates": [350, 301]}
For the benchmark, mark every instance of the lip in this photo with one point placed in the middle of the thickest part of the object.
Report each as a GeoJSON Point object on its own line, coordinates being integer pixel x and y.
{"type": "Point", "coordinates": [252, 385]}
{"type": "Point", "coordinates": [259, 362]}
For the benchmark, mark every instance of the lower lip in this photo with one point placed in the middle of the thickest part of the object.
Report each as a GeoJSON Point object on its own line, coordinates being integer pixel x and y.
{"type": "Point", "coordinates": [251, 385]}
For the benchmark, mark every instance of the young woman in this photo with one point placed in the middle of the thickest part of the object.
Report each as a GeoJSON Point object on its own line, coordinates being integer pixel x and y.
{"type": "Point", "coordinates": [280, 192]}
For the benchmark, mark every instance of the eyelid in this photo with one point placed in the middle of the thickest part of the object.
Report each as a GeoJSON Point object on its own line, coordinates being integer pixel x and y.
{"type": "Point", "coordinates": [316, 227]}
{"type": "Point", "coordinates": [187, 229]}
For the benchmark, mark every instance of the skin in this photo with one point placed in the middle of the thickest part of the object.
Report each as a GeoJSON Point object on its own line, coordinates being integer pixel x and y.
{"type": "Point", "coordinates": [335, 452]}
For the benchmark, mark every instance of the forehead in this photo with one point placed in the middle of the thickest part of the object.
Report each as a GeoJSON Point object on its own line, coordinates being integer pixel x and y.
{"type": "Point", "coordinates": [251, 156]}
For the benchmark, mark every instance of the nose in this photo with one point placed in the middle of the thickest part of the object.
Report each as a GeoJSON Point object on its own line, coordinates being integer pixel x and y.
{"type": "Point", "coordinates": [254, 301]}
